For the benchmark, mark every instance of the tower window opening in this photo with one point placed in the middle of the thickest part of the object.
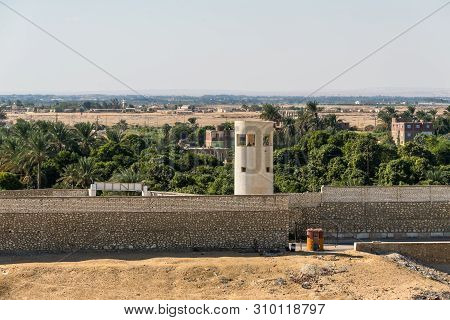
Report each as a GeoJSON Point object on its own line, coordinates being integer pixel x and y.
{"type": "Point", "coordinates": [266, 140]}
{"type": "Point", "coordinates": [240, 139]}
{"type": "Point", "coordinates": [250, 139]}
{"type": "Point", "coordinates": [243, 169]}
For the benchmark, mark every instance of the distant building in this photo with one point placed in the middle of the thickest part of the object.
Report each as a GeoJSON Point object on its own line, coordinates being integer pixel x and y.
{"type": "Point", "coordinates": [403, 132]}
{"type": "Point", "coordinates": [225, 109]}
{"type": "Point", "coordinates": [219, 138]}
{"type": "Point", "coordinates": [289, 113]}
{"type": "Point", "coordinates": [221, 154]}
{"type": "Point", "coordinates": [185, 109]}
{"type": "Point", "coordinates": [105, 110]}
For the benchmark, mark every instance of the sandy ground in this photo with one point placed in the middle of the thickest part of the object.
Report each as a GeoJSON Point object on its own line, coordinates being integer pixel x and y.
{"type": "Point", "coordinates": [143, 119]}
{"type": "Point", "coordinates": [351, 114]}
{"type": "Point", "coordinates": [210, 275]}
{"type": "Point", "coordinates": [359, 120]}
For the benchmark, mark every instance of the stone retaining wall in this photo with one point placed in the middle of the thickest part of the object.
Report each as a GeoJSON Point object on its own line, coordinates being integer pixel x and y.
{"type": "Point", "coordinates": [159, 223]}
{"type": "Point", "coordinates": [59, 222]}
{"type": "Point", "coordinates": [396, 212]}
{"type": "Point", "coordinates": [386, 194]}
{"type": "Point", "coordinates": [427, 252]}
{"type": "Point", "coordinates": [27, 193]}
{"type": "Point", "coordinates": [374, 220]}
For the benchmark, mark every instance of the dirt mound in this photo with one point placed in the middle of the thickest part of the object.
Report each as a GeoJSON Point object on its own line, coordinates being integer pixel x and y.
{"type": "Point", "coordinates": [214, 275]}
{"type": "Point", "coordinates": [310, 274]}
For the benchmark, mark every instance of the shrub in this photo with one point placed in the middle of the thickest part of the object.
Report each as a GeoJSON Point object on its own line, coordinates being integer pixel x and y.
{"type": "Point", "coordinates": [9, 181]}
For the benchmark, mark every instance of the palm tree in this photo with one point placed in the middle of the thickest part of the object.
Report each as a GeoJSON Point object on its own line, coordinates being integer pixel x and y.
{"type": "Point", "coordinates": [70, 176]}
{"type": "Point", "coordinates": [165, 131]}
{"type": "Point", "coordinates": [36, 152]}
{"type": "Point", "coordinates": [312, 107]}
{"type": "Point", "coordinates": [61, 135]}
{"type": "Point", "coordinates": [411, 110]}
{"type": "Point", "coordinates": [387, 114]}
{"type": "Point", "coordinates": [86, 172]}
{"type": "Point", "coordinates": [303, 121]}
{"type": "Point", "coordinates": [330, 121]}
{"type": "Point", "coordinates": [22, 129]}
{"type": "Point", "coordinates": [437, 176]}
{"type": "Point", "coordinates": [80, 174]}
{"type": "Point", "coordinates": [408, 114]}
{"type": "Point", "coordinates": [114, 135]}
{"type": "Point", "coordinates": [423, 116]}
{"type": "Point", "coordinates": [42, 125]}
{"type": "Point", "coordinates": [128, 175]}
{"type": "Point", "coordinates": [289, 130]}
{"type": "Point", "coordinates": [2, 114]}
{"type": "Point", "coordinates": [271, 113]}
{"type": "Point", "coordinates": [122, 125]}
{"type": "Point", "coordinates": [86, 135]}
{"type": "Point", "coordinates": [433, 113]}
{"type": "Point", "coordinates": [192, 120]}
{"type": "Point", "coordinates": [9, 149]}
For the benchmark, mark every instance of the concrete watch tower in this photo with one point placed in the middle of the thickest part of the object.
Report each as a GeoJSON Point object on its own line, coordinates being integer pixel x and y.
{"type": "Point", "coordinates": [253, 157]}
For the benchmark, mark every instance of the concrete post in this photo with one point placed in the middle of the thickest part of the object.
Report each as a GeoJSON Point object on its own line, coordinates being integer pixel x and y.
{"type": "Point", "coordinates": [93, 190]}
{"type": "Point", "coordinates": [145, 191]}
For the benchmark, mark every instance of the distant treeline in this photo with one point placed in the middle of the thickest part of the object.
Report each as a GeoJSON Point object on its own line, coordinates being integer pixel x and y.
{"type": "Point", "coordinates": [48, 100]}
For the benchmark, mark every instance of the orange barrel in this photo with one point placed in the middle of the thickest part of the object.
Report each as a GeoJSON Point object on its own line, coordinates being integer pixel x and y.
{"type": "Point", "coordinates": [321, 237]}
{"type": "Point", "coordinates": [314, 239]}
{"type": "Point", "coordinates": [310, 239]}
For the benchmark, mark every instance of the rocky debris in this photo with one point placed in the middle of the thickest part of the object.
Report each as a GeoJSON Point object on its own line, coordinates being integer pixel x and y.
{"type": "Point", "coordinates": [306, 285]}
{"type": "Point", "coordinates": [280, 282]}
{"type": "Point", "coordinates": [331, 258]}
{"type": "Point", "coordinates": [432, 295]}
{"type": "Point", "coordinates": [310, 274]}
{"type": "Point", "coordinates": [272, 253]}
{"type": "Point", "coordinates": [225, 280]}
{"type": "Point", "coordinates": [415, 266]}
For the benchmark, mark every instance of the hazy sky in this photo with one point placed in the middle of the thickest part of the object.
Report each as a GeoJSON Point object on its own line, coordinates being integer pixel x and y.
{"type": "Point", "coordinates": [245, 45]}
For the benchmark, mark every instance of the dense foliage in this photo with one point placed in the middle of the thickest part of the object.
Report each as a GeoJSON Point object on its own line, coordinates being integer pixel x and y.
{"type": "Point", "coordinates": [310, 151]}
{"type": "Point", "coordinates": [51, 154]}
{"type": "Point", "coordinates": [348, 158]}
{"type": "Point", "coordinates": [9, 181]}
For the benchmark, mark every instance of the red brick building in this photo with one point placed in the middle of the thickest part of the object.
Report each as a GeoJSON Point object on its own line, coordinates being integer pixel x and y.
{"type": "Point", "coordinates": [403, 132]}
{"type": "Point", "coordinates": [219, 138]}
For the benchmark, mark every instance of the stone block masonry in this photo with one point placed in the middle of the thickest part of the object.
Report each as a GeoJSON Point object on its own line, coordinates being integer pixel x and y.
{"type": "Point", "coordinates": [60, 222]}
{"type": "Point", "coordinates": [427, 252]}
{"type": "Point", "coordinates": [43, 193]}
{"type": "Point", "coordinates": [397, 212]}
{"type": "Point", "coordinates": [159, 223]}
{"type": "Point", "coordinates": [374, 220]}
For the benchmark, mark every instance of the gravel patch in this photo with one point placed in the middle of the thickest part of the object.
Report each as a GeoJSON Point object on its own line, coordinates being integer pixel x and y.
{"type": "Point", "coordinates": [415, 266]}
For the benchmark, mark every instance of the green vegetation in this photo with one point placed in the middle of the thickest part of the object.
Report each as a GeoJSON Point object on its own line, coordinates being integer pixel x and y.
{"type": "Point", "coordinates": [441, 123]}
{"type": "Point", "coordinates": [9, 181]}
{"type": "Point", "coordinates": [46, 154]}
{"type": "Point", "coordinates": [310, 151]}
{"type": "Point", "coordinates": [313, 151]}
{"type": "Point", "coordinates": [347, 158]}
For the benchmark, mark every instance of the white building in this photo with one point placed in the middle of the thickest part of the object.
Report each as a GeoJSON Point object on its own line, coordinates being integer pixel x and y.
{"type": "Point", "coordinates": [253, 157]}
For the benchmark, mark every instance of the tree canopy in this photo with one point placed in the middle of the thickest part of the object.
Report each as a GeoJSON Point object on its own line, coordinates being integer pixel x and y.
{"type": "Point", "coordinates": [310, 150]}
